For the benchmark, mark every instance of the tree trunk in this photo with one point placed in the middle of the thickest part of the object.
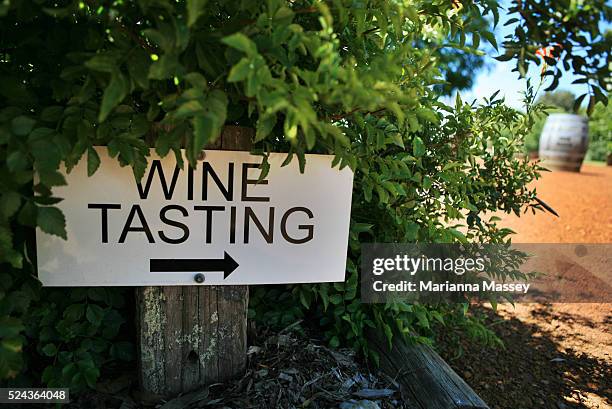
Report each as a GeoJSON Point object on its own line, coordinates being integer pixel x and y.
{"type": "Point", "coordinates": [190, 336]}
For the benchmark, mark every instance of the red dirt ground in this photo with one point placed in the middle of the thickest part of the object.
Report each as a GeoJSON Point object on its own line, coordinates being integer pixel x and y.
{"type": "Point", "coordinates": [556, 355]}
{"type": "Point", "coordinates": [583, 201]}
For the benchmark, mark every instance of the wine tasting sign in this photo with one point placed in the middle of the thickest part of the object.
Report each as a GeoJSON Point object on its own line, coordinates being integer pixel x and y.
{"type": "Point", "coordinates": [216, 224]}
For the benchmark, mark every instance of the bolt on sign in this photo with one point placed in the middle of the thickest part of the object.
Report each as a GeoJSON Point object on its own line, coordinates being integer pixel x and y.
{"type": "Point", "coordinates": [216, 224]}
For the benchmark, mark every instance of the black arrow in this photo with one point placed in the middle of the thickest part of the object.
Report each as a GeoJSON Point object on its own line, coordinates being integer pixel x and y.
{"type": "Point", "coordinates": [201, 265]}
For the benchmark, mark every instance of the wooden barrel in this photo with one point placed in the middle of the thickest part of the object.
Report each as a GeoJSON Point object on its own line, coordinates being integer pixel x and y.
{"type": "Point", "coordinates": [564, 141]}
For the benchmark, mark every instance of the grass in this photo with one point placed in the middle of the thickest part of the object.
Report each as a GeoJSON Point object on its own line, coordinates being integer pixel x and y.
{"type": "Point", "coordinates": [594, 162]}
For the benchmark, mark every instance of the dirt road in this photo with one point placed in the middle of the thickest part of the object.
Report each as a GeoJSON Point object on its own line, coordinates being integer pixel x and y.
{"type": "Point", "coordinates": [557, 355]}
{"type": "Point", "coordinates": [583, 201]}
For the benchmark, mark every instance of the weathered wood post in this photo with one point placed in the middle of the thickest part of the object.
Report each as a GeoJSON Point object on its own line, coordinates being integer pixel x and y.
{"type": "Point", "coordinates": [190, 336]}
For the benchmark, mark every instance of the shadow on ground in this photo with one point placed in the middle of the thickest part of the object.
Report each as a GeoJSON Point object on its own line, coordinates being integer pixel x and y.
{"type": "Point", "coordinates": [533, 370]}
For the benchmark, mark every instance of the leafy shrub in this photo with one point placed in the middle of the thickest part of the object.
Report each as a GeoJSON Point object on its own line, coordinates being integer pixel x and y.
{"type": "Point", "coordinates": [561, 100]}
{"type": "Point", "coordinates": [600, 133]}
{"type": "Point", "coordinates": [420, 192]}
{"type": "Point", "coordinates": [353, 80]}
{"type": "Point", "coordinates": [78, 330]}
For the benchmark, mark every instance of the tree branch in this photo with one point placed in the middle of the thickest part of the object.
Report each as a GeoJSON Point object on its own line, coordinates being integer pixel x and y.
{"type": "Point", "coordinates": [338, 117]}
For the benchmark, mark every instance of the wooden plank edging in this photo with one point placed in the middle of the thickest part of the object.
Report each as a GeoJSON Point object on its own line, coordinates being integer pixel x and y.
{"type": "Point", "coordinates": [426, 380]}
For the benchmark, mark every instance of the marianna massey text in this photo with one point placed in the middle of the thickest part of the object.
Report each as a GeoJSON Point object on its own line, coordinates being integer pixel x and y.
{"type": "Point", "coordinates": [447, 286]}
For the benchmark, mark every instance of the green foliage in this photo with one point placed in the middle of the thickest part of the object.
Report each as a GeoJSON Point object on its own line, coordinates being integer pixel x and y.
{"type": "Point", "coordinates": [563, 100]}
{"type": "Point", "coordinates": [357, 81]}
{"type": "Point", "coordinates": [76, 331]}
{"type": "Point", "coordinates": [571, 31]}
{"type": "Point", "coordinates": [532, 140]}
{"type": "Point", "coordinates": [600, 133]}
{"type": "Point", "coordinates": [460, 66]}
{"type": "Point", "coordinates": [434, 191]}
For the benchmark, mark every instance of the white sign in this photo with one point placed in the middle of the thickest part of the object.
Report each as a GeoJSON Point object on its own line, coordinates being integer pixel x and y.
{"type": "Point", "coordinates": [212, 225]}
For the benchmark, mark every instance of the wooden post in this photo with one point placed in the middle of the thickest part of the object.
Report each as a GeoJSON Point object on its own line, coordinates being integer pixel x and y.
{"type": "Point", "coordinates": [190, 336]}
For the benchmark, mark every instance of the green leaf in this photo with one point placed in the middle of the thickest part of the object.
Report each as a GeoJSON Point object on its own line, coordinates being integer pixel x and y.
{"type": "Point", "coordinates": [265, 124]}
{"type": "Point", "coordinates": [207, 126]}
{"type": "Point", "coordinates": [338, 135]}
{"type": "Point", "coordinates": [242, 43]}
{"type": "Point", "coordinates": [4, 8]}
{"type": "Point", "coordinates": [69, 369]}
{"type": "Point", "coordinates": [591, 105]}
{"type": "Point", "coordinates": [305, 298]}
{"type": "Point", "coordinates": [51, 220]}
{"type": "Point", "coordinates": [398, 140]}
{"type": "Point", "coordinates": [22, 125]}
{"type": "Point", "coordinates": [505, 57]}
{"type": "Point", "coordinates": [475, 40]}
{"type": "Point", "coordinates": [52, 178]}
{"type": "Point", "coordinates": [114, 93]}
{"type": "Point", "coordinates": [49, 349]}
{"type": "Point", "coordinates": [51, 374]}
{"type": "Point", "coordinates": [11, 361]}
{"type": "Point", "coordinates": [458, 235]}
{"type": "Point", "coordinates": [438, 317]}
{"type": "Point", "coordinates": [578, 102]}
{"type": "Point", "coordinates": [375, 356]}
{"type": "Point", "coordinates": [6, 237]}
{"type": "Point", "coordinates": [9, 113]}
{"type": "Point", "coordinates": [324, 297]}
{"type": "Point", "coordinates": [362, 227]}
{"type": "Point", "coordinates": [103, 62]}
{"type": "Point", "coordinates": [167, 66]}
{"type": "Point", "coordinates": [10, 327]}
{"type": "Point", "coordinates": [9, 203]}
{"type": "Point", "coordinates": [28, 214]}
{"type": "Point", "coordinates": [284, 13]}
{"type": "Point", "coordinates": [197, 80]}
{"type": "Point", "coordinates": [418, 147]}
{"type": "Point", "coordinates": [599, 95]}
{"type": "Point", "coordinates": [94, 314]}
{"type": "Point", "coordinates": [138, 68]}
{"type": "Point", "coordinates": [93, 161]}
{"type": "Point", "coordinates": [240, 71]}
{"type": "Point", "coordinates": [334, 342]}
{"type": "Point", "coordinates": [13, 344]}
{"type": "Point", "coordinates": [428, 115]}
{"type": "Point", "coordinates": [52, 114]}
{"type": "Point", "coordinates": [383, 196]}
{"type": "Point", "coordinates": [388, 332]}
{"type": "Point", "coordinates": [490, 37]}
{"type": "Point", "coordinates": [74, 312]}
{"type": "Point", "coordinates": [91, 375]}
{"type": "Point", "coordinates": [422, 318]}
{"type": "Point", "coordinates": [195, 8]}
{"type": "Point", "coordinates": [45, 151]}
{"type": "Point", "coordinates": [111, 323]}
{"type": "Point", "coordinates": [188, 109]}
{"type": "Point", "coordinates": [204, 130]}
